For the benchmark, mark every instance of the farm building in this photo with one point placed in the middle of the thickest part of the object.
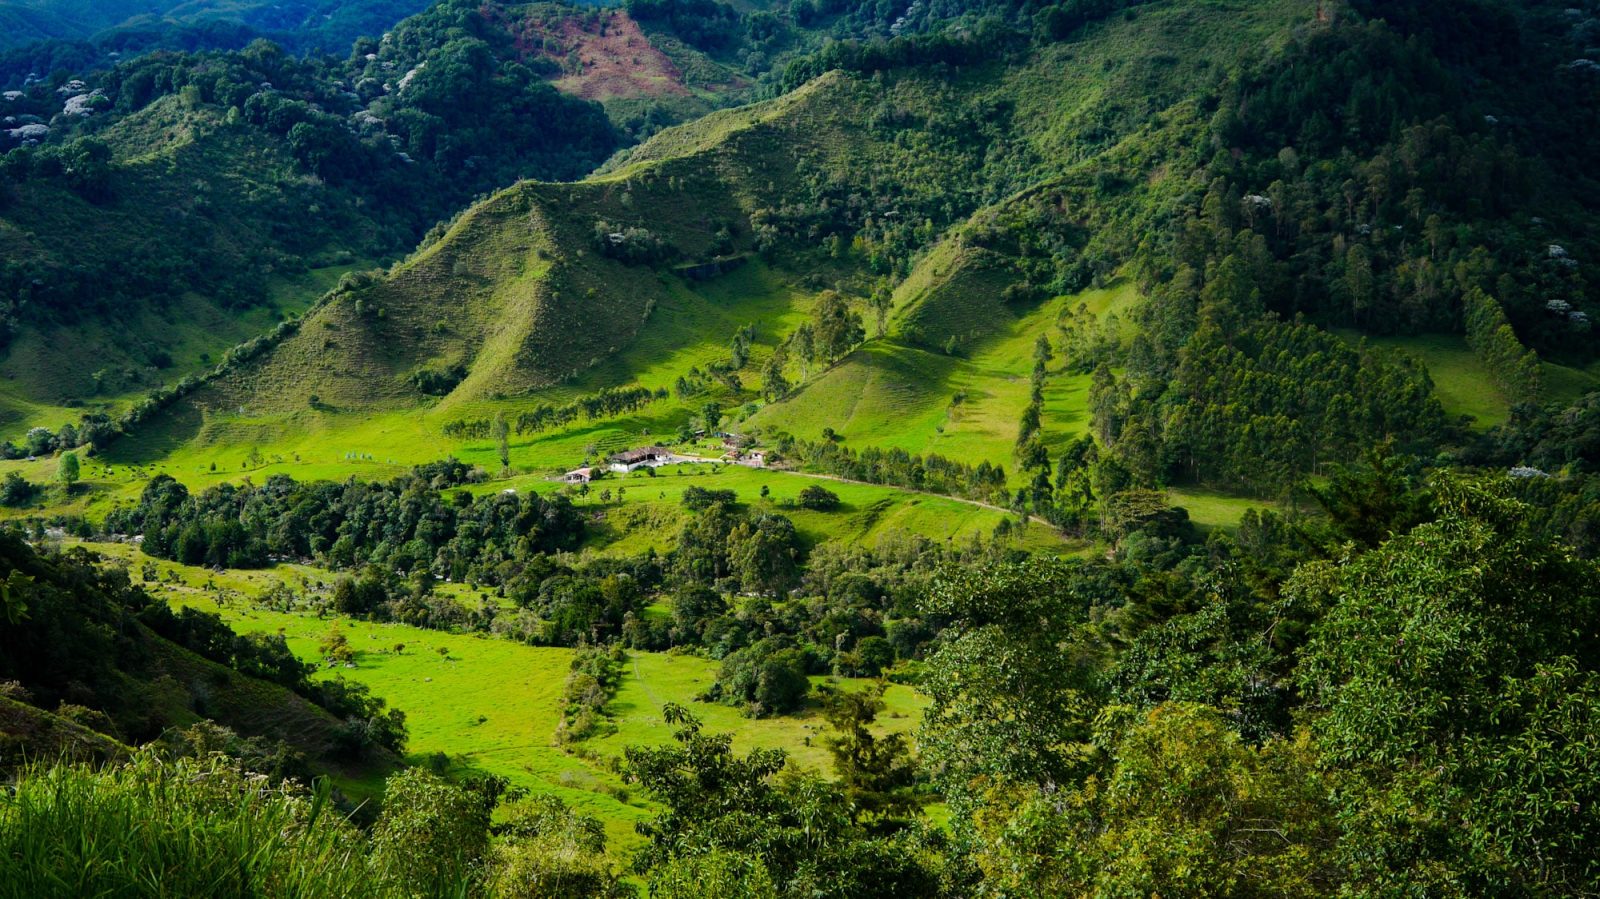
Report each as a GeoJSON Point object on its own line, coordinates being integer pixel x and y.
{"type": "Point", "coordinates": [634, 459]}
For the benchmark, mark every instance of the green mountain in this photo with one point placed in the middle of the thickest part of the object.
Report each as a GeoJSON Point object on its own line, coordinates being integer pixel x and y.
{"type": "Point", "coordinates": [970, 191]}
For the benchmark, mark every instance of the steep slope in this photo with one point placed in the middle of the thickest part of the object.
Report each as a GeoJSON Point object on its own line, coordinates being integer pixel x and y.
{"type": "Point", "coordinates": [202, 221]}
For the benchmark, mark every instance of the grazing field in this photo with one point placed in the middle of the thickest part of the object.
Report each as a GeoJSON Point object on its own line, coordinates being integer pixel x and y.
{"type": "Point", "coordinates": [1210, 509]}
{"type": "Point", "coordinates": [492, 705]}
{"type": "Point", "coordinates": [963, 407]}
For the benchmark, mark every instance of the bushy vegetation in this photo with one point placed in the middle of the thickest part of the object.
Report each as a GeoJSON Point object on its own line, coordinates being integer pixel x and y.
{"type": "Point", "coordinates": [205, 827]}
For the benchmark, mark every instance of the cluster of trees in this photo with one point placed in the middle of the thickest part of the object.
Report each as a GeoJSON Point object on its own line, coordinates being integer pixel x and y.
{"type": "Point", "coordinates": [897, 467]}
{"type": "Point", "coordinates": [594, 680]}
{"type": "Point", "coordinates": [1290, 717]}
{"type": "Point", "coordinates": [608, 402]}
{"type": "Point", "coordinates": [405, 525]}
{"type": "Point", "coordinates": [632, 244]}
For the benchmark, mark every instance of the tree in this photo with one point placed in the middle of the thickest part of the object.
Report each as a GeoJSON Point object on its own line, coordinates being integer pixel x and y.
{"type": "Point", "coordinates": [67, 470]}
{"type": "Point", "coordinates": [764, 554]}
{"type": "Point", "coordinates": [432, 836]}
{"type": "Point", "coordinates": [1015, 683]}
{"type": "Point", "coordinates": [731, 820]}
{"type": "Point", "coordinates": [805, 347]}
{"type": "Point", "coordinates": [501, 432]}
{"type": "Point", "coordinates": [547, 850]}
{"type": "Point", "coordinates": [877, 773]}
{"type": "Point", "coordinates": [838, 328]}
{"type": "Point", "coordinates": [1182, 807]}
{"type": "Point", "coordinates": [817, 498]}
{"type": "Point", "coordinates": [1451, 681]}
{"type": "Point", "coordinates": [335, 646]}
{"type": "Point", "coordinates": [882, 300]}
{"type": "Point", "coordinates": [774, 386]}
{"type": "Point", "coordinates": [711, 414]}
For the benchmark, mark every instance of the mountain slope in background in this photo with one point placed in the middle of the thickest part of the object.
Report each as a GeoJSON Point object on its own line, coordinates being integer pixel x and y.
{"type": "Point", "coordinates": [321, 25]}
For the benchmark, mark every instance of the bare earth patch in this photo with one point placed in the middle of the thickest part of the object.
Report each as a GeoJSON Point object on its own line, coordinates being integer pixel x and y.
{"type": "Point", "coordinates": [614, 57]}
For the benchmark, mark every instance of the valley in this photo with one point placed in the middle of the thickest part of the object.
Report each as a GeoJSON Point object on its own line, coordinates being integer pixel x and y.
{"type": "Point", "coordinates": [746, 450]}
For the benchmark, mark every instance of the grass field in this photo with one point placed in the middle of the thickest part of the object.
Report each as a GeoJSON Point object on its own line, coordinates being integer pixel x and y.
{"type": "Point", "coordinates": [1210, 509]}
{"type": "Point", "coordinates": [492, 705]}
{"type": "Point", "coordinates": [1460, 380]}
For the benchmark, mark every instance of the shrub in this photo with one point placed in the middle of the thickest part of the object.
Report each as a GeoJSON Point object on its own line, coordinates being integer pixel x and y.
{"type": "Point", "coordinates": [818, 499]}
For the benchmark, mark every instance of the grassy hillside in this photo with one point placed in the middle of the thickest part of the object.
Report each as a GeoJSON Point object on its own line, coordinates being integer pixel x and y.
{"type": "Point", "coordinates": [519, 294]}
{"type": "Point", "coordinates": [90, 665]}
{"type": "Point", "coordinates": [181, 179]}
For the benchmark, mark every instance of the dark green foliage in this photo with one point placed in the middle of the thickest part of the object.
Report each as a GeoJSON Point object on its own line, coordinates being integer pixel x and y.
{"type": "Point", "coordinates": [697, 498]}
{"type": "Point", "coordinates": [17, 491]}
{"type": "Point", "coordinates": [817, 498]}
{"type": "Point", "coordinates": [876, 772]}
{"type": "Point", "coordinates": [609, 401]}
{"type": "Point", "coordinates": [404, 524]}
{"type": "Point", "coordinates": [933, 473]}
{"type": "Point", "coordinates": [438, 382]}
{"type": "Point", "coordinates": [790, 836]}
{"type": "Point", "coordinates": [596, 675]}
{"type": "Point", "coordinates": [766, 678]}
{"type": "Point", "coordinates": [1455, 674]}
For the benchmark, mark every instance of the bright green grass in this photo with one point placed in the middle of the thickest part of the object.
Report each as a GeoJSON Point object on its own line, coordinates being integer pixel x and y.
{"type": "Point", "coordinates": [1210, 509]}
{"type": "Point", "coordinates": [891, 395]}
{"type": "Point", "coordinates": [514, 689]}
{"type": "Point", "coordinates": [868, 512]}
{"type": "Point", "coordinates": [654, 679]}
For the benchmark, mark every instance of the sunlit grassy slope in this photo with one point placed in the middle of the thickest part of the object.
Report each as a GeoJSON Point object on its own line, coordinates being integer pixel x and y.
{"type": "Point", "coordinates": [964, 407]}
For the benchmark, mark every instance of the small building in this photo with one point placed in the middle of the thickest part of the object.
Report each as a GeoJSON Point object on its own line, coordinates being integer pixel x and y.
{"type": "Point", "coordinates": [579, 476]}
{"type": "Point", "coordinates": [631, 460]}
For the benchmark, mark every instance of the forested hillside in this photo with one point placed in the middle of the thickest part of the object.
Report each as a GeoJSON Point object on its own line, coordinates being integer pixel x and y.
{"type": "Point", "coordinates": [1104, 448]}
{"type": "Point", "coordinates": [325, 25]}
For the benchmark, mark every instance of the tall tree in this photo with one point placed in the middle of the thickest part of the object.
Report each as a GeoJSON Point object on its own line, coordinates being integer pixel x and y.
{"type": "Point", "coordinates": [502, 432]}
{"type": "Point", "coordinates": [67, 470]}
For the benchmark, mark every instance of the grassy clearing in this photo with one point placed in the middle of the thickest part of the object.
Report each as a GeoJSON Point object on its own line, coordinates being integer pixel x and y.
{"type": "Point", "coordinates": [1210, 509]}
{"type": "Point", "coordinates": [654, 679]}
{"type": "Point", "coordinates": [1461, 382]}
{"type": "Point", "coordinates": [1565, 384]}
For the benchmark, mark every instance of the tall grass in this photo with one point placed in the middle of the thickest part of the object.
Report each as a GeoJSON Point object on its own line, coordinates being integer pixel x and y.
{"type": "Point", "coordinates": [172, 828]}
